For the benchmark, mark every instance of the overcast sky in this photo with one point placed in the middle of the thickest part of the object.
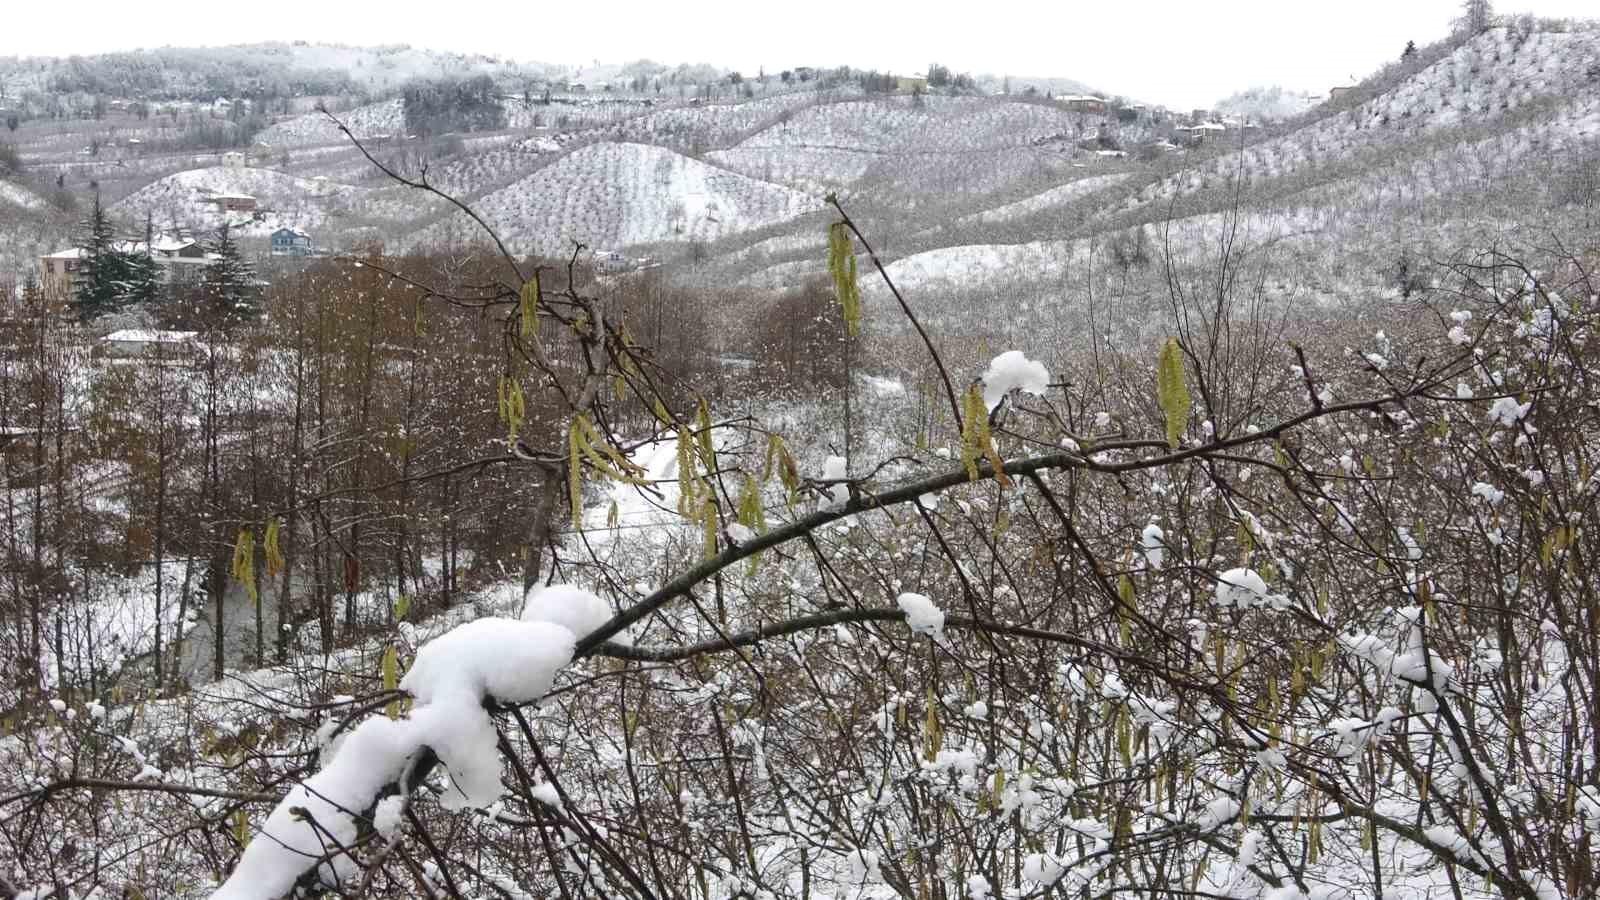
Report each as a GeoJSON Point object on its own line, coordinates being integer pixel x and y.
{"type": "Point", "coordinates": [1182, 53]}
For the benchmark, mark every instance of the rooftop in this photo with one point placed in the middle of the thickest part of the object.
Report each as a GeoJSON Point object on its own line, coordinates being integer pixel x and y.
{"type": "Point", "coordinates": [150, 336]}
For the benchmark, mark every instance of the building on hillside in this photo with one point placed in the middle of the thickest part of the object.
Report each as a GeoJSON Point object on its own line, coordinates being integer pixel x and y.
{"type": "Point", "coordinates": [176, 247]}
{"type": "Point", "coordinates": [234, 202]}
{"type": "Point", "coordinates": [58, 272]}
{"type": "Point", "coordinates": [1085, 103]}
{"type": "Point", "coordinates": [1203, 132]}
{"type": "Point", "coordinates": [180, 260]}
{"type": "Point", "coordinates": [1336, 93]}
{"type": "Point", "coordinates": [233, 159]}
{"type": "Point", "coordinates": [291, 242]}
{"type": "Point", "coordinates": [910, 84]}
{"type": "Point", "coordinates": [145, 343]}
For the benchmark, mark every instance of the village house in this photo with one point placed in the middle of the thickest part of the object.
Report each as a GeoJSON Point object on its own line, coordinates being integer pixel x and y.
{"type": "Point", "coordinates": [234, 202]}
{"type": "Point", "coordinates": [910, 84]}
{"type": "Point", "coordinates": [1203, 132]}
{"type": "Point", "coordinates": [145, 343]}
{"type": "Point", "coordinates": [58, 272]}
{"type": "Point", "coordinates": [1336, 93]}
{"type": "Point", "coordinates": [291, 242]}
{"type": "Point", "coordinates": [1085, 103]}
{"type": "Point", "coordinates": [179, 259]}
{"type": "Point", "coordinates": [233, 159]}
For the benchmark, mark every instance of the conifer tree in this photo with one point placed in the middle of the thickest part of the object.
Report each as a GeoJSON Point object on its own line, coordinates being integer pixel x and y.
{"type": "Point", "coordinates": [228, 285]}
{"type": "Point", "coordinates": [114, 277]}
{"type": "Point", "coordinates": [98, 290]}
{"type": "Point", "coordinates": [144, 276]}
{"type": "Point", "coordinates": [141, 277]}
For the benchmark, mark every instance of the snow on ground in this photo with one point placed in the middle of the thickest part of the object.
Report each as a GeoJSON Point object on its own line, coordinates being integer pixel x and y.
{"type": "Point", "coordinates": [115, 624]}
{"type": "Point", "coordinates": [973, 262]}
{"type": "Point", "coordinates": [17, 195]}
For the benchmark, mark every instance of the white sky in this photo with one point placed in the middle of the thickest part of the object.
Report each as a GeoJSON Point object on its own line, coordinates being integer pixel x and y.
{"type": "Point", "coordinates": [1181, 53]}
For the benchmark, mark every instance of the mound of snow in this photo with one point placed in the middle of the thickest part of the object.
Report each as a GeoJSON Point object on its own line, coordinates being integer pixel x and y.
{"type": "Point", "coordinates": [573, 608]}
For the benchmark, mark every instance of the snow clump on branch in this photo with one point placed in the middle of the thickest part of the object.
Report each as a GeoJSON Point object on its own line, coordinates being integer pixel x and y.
{"type": "Point", "coordinates": [922, 615]}
{"type": "Point", "coordinates": [490, 659]}
{"type": "Point", "coordinates": [1012, 371]}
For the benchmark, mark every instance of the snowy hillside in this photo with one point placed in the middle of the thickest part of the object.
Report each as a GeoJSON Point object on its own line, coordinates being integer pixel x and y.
{"type": "Point", "coordinates": [365, 122]}
{"type": "Point", "coordinates": [17, 195]}
{"type": "Point", "coordinates": [713, 125]}
{"type": "Point", "coordinates": [610, 195]}
{"type": "Point", "coordinates": [1495, 81]}
{"type": "Point", "coordinates": [1046, 200]}
{"type": "Point", "coordinates": [939, 124]}
{"type": "Point", "coordinates": [187, 199]}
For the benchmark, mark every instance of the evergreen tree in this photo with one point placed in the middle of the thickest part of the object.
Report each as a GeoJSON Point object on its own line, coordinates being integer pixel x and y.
{"type": "Point", "coordinates": [144, 276]}
{"type": "Point", "coordinates": [1410, 51]}
{"type": "Point", "coordinates": [113, 277]}
{"type": "Point", "coordinates": [228, 284]}
{"type": "Point", "coordinates": [141, 278]}
{"type": "Point", "coordinates": [98, 291]}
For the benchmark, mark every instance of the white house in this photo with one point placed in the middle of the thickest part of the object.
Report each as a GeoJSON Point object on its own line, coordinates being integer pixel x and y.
{"type": "Point", "coordinates": [233, 159]}
{"type": "Point", "coordinates": [132, 343]}
{"type": "Point", "coordinates": [58, 272]}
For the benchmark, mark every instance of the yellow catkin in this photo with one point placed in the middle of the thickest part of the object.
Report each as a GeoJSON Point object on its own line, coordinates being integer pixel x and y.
{"type": "Point", "coordinates": [1172, 391]}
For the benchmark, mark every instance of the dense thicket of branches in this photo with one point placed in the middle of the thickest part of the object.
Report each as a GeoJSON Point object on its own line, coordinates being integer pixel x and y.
{"type": "Point", "coordinates": [438, 106]}
{"type": "Point", "coordinates": [1205, 610]}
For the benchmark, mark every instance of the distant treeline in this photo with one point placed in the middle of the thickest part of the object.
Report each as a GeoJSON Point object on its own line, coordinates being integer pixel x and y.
{"type": "Point", "coordinates": [191, 74]}
{"type": "Point", "coordinates": [442, 105]}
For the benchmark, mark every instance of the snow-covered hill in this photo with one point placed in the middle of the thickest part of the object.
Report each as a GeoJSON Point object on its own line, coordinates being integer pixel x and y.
{"type": "Point", "coordinates": [187, 199]}
{"type": "Point", "coordinates": [365, 122]}
{"type": "Point", "coordinates": [610, 195]}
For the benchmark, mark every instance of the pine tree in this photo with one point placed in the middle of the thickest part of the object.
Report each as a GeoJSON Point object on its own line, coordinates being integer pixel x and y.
{"type": "Point", "coordinates": [143, 275]}
{"type": "Point", "coordinates": [98, 290]}
{"type": "Point", "coordinates": [113, 278]}
{"type": "Point", "coordinates": [228, 284]}
{"type": "Point", "coordinates": [141, 278]}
